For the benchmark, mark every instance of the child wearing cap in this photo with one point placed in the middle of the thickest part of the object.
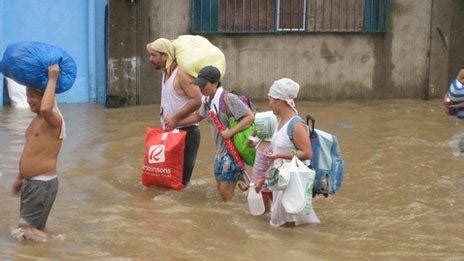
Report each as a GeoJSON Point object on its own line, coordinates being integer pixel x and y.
{"type": "Point", "coordinates": [226, 171]}
{"type": "Point", "coordinates": [266, 123]}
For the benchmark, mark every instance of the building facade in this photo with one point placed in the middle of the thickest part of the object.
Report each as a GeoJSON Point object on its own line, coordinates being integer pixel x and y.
{"type": "Point", "coordinates": [335, 49]}
{"type": "Point", "coordinates": [77, 26]}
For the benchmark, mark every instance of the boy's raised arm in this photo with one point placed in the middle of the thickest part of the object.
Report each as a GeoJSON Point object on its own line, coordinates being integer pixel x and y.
{"type": "Point", "coordinates": [48, 100]}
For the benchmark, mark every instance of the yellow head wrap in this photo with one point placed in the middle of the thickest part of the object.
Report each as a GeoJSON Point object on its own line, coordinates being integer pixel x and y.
{"type": "Point", "coordinates": [163, 45]}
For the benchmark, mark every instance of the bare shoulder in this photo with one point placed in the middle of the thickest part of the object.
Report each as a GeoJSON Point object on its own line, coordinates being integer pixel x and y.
{"type": "Point", "coordinates": [184, 81]}
{"type": "Point", "coordinates": [300, 129]}
{"type": "Point", "coordinates": [300, 126]}
{"type": "Point", "coordinates": [45, 127]}
{"type": "Point", "coordinates": [184, 78]}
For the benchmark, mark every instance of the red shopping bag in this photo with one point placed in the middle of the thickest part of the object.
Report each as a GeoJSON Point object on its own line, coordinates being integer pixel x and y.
{"type": "Point", "coordinates": [163, 164]}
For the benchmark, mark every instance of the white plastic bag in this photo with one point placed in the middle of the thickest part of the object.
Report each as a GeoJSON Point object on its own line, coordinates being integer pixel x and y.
{"type": "Point", "coordinates": [278, 176]}
{"type": "Point", "coordinates": [255, 201]}
{"type": "Point", "coordinates": [17, 93]}
{"type": "Point", "coordinates": [294, 197]}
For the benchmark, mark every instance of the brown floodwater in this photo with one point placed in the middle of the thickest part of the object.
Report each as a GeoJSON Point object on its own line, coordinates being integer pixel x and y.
{"type": "Point", "coordinates": [402, 198]}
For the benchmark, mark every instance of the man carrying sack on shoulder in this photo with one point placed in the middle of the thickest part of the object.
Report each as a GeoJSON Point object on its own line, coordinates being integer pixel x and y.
{"type": "Point", "coordinates": [179, 99]}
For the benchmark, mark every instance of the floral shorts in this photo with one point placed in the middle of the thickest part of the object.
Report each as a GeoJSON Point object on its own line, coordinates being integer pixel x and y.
{"type": "Point", "coordinates": [226, 170]}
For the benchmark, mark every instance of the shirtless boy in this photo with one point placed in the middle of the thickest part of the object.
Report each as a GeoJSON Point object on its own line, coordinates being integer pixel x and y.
{"type": "Point", "coordinates": [37, 181]}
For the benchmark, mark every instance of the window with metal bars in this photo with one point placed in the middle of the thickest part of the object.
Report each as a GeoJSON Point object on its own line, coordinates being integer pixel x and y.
{"type": "Point", "coordinates": [279, 16]}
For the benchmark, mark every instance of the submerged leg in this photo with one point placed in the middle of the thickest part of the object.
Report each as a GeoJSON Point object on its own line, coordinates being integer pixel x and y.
{"type": "Point", "coordinates": [28, 232]}
{"type": "Point", "coordinates": [226, 190]}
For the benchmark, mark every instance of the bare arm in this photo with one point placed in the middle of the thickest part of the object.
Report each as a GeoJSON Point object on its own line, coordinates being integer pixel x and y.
{"type": "Point", "coordinates": [48, 100]}
{"type": "Point", "coordinates": [17, 184]}
{"type": "Point", "coordinates": [193, 118]}
{"type": "Point", "coordinates": [302, 143]}
{"type": "Point", "coordinates": [446, 99]}
{"type": "Point", "coordinates": [194, 100]}
{"type": "Point", "coordinates": [243, 124]}
{"type": "Point", "coordinates": [457, 105]}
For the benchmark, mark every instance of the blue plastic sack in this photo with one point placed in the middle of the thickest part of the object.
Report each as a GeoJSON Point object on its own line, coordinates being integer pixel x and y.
{"type": "Point", "coordinates": [27, 63]}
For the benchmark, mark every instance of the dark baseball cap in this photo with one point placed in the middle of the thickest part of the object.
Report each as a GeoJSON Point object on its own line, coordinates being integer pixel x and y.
{"type": "Point", "coordinates": [207, 74]}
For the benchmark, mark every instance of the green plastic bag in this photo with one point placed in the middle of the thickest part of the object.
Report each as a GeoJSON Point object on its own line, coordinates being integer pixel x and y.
{"type": "Point", "coordinates": [240, 140]}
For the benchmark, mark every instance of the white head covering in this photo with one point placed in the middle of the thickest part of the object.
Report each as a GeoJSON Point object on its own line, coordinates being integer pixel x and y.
{"type": "Point", "coordinates": [285, 89]}
{"type": "Point", "coordinates": [163, 45]}
{"type": "Point", "coordinates": [63, 125]}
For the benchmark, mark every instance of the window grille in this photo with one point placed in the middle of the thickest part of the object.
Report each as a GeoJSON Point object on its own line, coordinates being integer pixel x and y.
{"type": "Point", "coordinates": [286, 16]}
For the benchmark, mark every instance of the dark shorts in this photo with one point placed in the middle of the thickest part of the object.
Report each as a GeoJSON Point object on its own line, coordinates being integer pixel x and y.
{"type": "Point", "coordinates": [192, 143]}
{"type": "Point", "coordinates": [37, 199]}
{"type": "Point", "coordinates": [226, 170]}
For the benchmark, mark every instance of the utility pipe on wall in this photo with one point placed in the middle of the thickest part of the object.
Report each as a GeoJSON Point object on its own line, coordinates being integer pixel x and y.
{"type": "Point", "coordinates": [426, 89]}
{"type": "Point", "coordinates": [91, 52]}
{"type": "Point", "coordinates": [2, 85]}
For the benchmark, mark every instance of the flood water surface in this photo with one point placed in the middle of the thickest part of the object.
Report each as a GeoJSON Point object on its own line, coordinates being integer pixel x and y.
{"type": "Point", "coordinates": [402, 195]}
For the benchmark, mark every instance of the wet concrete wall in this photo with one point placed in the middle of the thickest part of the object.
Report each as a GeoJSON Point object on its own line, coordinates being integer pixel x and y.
{"type": "Point", "coordinates": [456, 54]}
{"type": "Point", "coordinates": [325, 65]}
{"type": "Point", "coordinates": [406, 62]}
{"type": "Point", "coordinates": [438, 59]}
{"type": "Point", "coordinates": [123, 55]}
{"type": "Point", "coordinates": [408, 47]}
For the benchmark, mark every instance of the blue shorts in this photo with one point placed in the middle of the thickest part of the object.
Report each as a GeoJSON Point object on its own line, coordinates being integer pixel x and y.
{"type": "Point", "coordinates": [226, 170]}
